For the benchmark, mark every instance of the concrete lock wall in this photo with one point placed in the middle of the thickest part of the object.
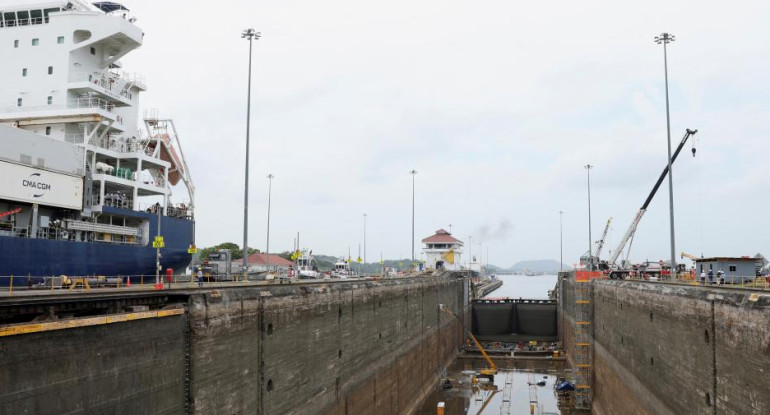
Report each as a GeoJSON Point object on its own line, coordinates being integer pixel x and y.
{"type": "Point", "coordinates": [672, 349]}
{"type": "Point", "coordinates": [374, 348]}
{"type": "Point", "coordinates": [135, 367]}
{"type": "Point", "coordinates": [340, 348]}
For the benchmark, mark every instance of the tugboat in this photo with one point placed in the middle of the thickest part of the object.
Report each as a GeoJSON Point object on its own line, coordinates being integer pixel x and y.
{"type": "Point", "coordinates": [84, 190]}
{"type": "Point", "coordinates": [307, 267]}
{"type": "Point", "coordinates": [342, 269]}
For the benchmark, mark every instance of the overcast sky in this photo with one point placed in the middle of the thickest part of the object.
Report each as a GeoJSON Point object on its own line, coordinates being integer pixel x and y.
{"type": "Point", "coordinates": [497, 105]}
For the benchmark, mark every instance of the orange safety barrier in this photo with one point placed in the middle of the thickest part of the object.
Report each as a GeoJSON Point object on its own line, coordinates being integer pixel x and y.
{"type": "Point", "coordinates": [585, 276]}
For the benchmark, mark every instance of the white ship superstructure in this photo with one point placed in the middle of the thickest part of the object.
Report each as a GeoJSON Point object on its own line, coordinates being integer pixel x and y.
{"type": "Point", "coordinates": [67, 107]}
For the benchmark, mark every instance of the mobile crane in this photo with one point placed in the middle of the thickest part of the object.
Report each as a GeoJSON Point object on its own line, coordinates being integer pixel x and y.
{"type": "Point", "coordinates": [616, 270]}
{"type": "Point", "coordinates": [491, 370]}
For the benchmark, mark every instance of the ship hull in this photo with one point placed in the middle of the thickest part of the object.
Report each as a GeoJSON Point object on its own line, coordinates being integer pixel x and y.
{"type": "Point", "coordinates": [27, 257]}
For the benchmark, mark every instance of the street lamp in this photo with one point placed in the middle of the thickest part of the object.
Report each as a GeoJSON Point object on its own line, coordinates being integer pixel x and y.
{"type": "Point", "coordinates": [269, 194]}
{"type": "Point", "coordinates": [561, 241]}
{"type": "Point", "coordinates": [588, 168]}
{"type": "Point", "coordinates": [364, 238]}
{"type": "Point", "coordinates": [413, 173]}
{"type": "Point", "coordinates": [249, 34]}
{"type": "Point", "coordinates": [665, 39]}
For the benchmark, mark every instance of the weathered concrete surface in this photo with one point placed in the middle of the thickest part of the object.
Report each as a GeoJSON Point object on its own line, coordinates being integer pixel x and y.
{"type": "Point", "coordinates": [672, 349]}
{"type": "Point", "coordinates": [129, 368]}
{"type": "Point", "coordinates": [374, 347]}
{"type": "Point", "coordinates": [365, 347]}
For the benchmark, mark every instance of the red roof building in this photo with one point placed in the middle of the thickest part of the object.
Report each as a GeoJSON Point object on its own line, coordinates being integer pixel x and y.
{"type": "Point", "coordinates": [441, 237]}
{"type": "Point", "coordinates": [258, 262]}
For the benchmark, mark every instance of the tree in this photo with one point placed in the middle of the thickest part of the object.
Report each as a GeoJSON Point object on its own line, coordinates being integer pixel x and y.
{"type": "Point", "coordinates": [237, 253]}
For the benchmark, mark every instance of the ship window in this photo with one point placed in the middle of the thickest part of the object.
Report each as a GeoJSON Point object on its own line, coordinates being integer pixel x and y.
{"type": "Point", "coordinates": [37, 16]}
{"type": "Point", "coordinates": [47, 130]}
{"type": "Point", "coordinates": [10, 19]}
{"type": "Point", "coordinates": [50, 70]}
{"type": "Point", "coordinates": [60, 39]}
{"type": "Point", "coordinates": [18, 102]}
{"type": "Point", "coordinates": [733, 268]}
{"type": "Point", "coordinates": [35, 42]}
{"type": "Point", "coordinates": [16, 43]}
{"type": "Point", "coordinates": [93, 51]}
{"type": "Point", "coordinates": [23, 18]}
{"type": "Point", "coordinates": [24, 72]}
{"type": "Point", "coordinates": [50, 100]}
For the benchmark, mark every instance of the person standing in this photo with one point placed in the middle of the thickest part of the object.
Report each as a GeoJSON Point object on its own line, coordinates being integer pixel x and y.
{"type": "Point", "coordinates": [711, 276]}
{"type": "Point", "coordinates": [200, 277]}
{"type": "Point", "coordinates": [702, 277]}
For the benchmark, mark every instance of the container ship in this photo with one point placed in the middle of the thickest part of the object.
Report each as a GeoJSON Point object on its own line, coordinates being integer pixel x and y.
{"type": "Point", "coordinates": [85, 182]}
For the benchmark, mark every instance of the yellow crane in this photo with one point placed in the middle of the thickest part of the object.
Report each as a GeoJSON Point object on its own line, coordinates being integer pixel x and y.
{"type": "Point", "coordinates": [688, 256]}
{"type": "Point", "coordinates": [491, 369]}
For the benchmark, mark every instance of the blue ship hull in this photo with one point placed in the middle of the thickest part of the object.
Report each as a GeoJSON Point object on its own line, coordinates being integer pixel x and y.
{"type": "Point", "coordinates": [24, 257]}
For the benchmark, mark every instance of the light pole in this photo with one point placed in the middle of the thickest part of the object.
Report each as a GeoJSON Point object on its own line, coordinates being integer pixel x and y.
{"type": "Point", "coordinates": [666, 38]}
{"type": "Point", "coordinates": [249, 34]}
{"type": "Point", "coordinates": [561, 240]}
{"type": "Point", "coordinates": [269, 195]}
{"type": "Point", "coordinates": [364, 238]}
{"type": "Point", "coordinates": [413, 173]}
{"type": "Point", "coordinates": [588, 168]}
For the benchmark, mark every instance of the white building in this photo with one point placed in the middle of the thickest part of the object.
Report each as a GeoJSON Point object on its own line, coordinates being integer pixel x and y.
{"type": "Point", "coordinates": [442, 250]}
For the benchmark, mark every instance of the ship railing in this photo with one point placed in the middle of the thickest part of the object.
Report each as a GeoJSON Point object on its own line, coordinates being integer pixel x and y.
{"type": "Point", "coordinates": [116, 83]}
{"type": "Point", "coordinates": [119, 144]}
{"type": "Point", "coordinates": [182, 210]}
{"type": "Point", "coordinates": [24, 22]}
{"type": "Point", "coordinates": [91, 102]}
{"type": "Point", "coordinates": [117, 200]}
{"type": "Point", "coordinates": [85, 102]}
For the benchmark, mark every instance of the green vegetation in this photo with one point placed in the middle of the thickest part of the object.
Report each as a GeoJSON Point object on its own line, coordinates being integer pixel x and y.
{"type": "Point", "coordinates": [234, 248]}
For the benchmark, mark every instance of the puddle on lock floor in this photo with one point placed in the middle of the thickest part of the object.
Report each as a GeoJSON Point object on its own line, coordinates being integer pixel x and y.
{"type": "Point", "coordinates": [514, 392]}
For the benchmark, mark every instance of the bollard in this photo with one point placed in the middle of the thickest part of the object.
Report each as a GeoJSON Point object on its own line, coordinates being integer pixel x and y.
{"type": "Point", "coordinates": [10, 287]}
{"type": "Point", "coordinates": [440, 408]}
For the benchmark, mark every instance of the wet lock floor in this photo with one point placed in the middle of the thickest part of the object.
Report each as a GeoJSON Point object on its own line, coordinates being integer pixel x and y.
{"type": "Point", "coordinates": [519, 388]}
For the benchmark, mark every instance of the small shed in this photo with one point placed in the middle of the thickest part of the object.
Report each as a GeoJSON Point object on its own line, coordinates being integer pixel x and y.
{"type": "Point", "coordinates": [736, 269]}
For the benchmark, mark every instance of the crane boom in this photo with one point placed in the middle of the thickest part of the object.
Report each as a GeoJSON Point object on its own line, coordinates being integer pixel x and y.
{"type": "Point", "coordinates": [604, 238]}
{"type": "Point", "coordinates": [631, 229]}
{"type": "Point", "coordinates": [491, 367]}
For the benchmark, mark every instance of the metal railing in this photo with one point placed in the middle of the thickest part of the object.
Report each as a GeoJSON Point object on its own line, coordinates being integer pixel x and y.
{"type": "Point", "coordinates": [24, 22]}
{"type": "Point", "coordinates": [77, 103]}
{"type": "Point", "coordinates": [113, 83]}
{"type": "Point", "coordinates": [32, 285]}
{"type": "Point", "coordinates": [724, 281]}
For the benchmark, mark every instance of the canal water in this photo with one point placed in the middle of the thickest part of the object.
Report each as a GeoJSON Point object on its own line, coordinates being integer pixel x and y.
{"type": "Point", "coordinates": [515, 390]}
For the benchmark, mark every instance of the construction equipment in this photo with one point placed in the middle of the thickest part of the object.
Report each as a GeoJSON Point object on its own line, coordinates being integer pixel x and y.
{"type": "Point", "coordinates": [615, 268]}
{"type": "Point", "coordinates": [491, 370]}
{"type": "Point", "coordinates": [600, 242]}
{"type": "Point", "coordinates": [688, 256]}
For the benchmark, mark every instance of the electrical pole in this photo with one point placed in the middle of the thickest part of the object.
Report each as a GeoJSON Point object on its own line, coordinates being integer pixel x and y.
{"type": "Point", "coordinates": [269, 195]}
{"type": "Point", "coordinates": [588, 168]}
{"type": "Point", "coordinates": [413, 173]}
{"type": "Point", "coordinates": [249, 34]}
{"type": "Point", "coordinates": [665, 39]}
{"type": "Point", "coordinates": [561, 241]}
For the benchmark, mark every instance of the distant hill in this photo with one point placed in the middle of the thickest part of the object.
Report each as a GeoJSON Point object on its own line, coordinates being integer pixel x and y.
{"type": "Point", "coordinates": [538, 266]}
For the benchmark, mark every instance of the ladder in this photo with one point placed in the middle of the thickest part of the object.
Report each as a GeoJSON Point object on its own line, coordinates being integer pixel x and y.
{"type": "Point", "coordinates": [582, 340]}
